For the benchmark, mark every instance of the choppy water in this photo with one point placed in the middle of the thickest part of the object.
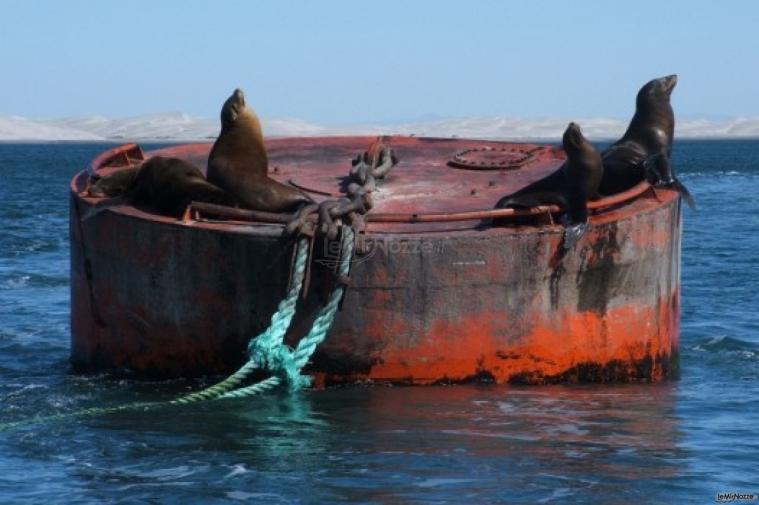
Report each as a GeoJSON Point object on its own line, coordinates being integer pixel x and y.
{"type": "Point", "coordinates": [678, 442]}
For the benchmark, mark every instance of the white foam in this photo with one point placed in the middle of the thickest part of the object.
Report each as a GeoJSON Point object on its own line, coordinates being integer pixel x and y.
{"type": "Point", "coordinates": [17, 283]}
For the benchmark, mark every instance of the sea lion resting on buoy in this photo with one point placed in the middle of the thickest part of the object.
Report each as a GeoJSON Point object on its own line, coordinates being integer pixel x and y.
{"type": "Point", "coordinates": [114, 184]}
{"type": "Point", "coordinates": [238, 163]}
{"type": "Point", "coordinates": [571, 186]}
{"type": "Point", "coordinates": [167, 185]}
{"type": "Point", "coordinates": [644, 150]}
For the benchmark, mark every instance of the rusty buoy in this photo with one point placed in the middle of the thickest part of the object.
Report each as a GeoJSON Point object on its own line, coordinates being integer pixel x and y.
{"type": "Point", "coordinates": [435, 295]}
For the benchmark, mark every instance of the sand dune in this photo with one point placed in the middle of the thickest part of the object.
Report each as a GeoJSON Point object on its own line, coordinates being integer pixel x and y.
{"type": "Point", "coordinates": [16, 128]}
{"type": "Point", "coordinates": [183, 127]}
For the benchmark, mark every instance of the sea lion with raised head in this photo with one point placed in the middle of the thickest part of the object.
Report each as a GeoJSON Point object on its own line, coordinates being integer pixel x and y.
{"type": "Point", "coordinates": [238, 163]}
{"type": "Point", "coordinates": [167, 185]}
{"type": "Point", "coordinates": [644, 150]}
{"type": "Point", "coordinates": [571, 186]}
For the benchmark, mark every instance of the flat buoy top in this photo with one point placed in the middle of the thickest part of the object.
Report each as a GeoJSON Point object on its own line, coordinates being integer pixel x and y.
{"type": "Point", "coordinates": [433, 175]}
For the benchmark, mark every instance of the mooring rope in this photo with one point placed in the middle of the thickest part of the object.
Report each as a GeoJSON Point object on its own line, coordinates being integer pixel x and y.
{"type": "Point", "coordinates": [263, 349]}
{"type": "Point", "coordinates": [266, 351]}
{"type": "Point", "coordinates": [92, 411]}
{"type": "Point", "coordinates": [287, 364]}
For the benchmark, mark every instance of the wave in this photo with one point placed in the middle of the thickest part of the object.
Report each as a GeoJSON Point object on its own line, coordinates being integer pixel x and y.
{"type": "Point", "coordinates": [22, 246]}
{"type": "Point", "coordinates": [32, 280]}
{"type": "Point", "coordinates": [725, 344]}
{"type": "Point", "coordinates": [686, 173]}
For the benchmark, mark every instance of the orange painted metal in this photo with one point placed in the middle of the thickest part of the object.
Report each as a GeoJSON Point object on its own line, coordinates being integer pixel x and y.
{"type": "Point", "coordinates": [437, 295]}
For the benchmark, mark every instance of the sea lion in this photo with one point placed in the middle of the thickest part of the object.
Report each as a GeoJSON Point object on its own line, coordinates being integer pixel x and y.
{"type": "Point", "coordinates": [571, 186]}
{"type": "Point", "coordinates": [113, 185]}
{"type": "Point", "coordinates": [167, 185]}
{"type": "Point", "coordinates": [644, 150]}
{"type": "Point", "coordinates": [238, 163]}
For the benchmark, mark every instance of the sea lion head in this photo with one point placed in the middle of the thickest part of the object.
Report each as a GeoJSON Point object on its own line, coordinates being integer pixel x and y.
{"type": "Point", "coordinates": [656, 91]}
{"type": "Point", "coordinates": [115, 184]}
{"type": "Point", "coordinates": [232, 108]}
{"type": "Point", "coordinates": [584, 163]}
{"type": "Point", "coordinates": [573, 138]}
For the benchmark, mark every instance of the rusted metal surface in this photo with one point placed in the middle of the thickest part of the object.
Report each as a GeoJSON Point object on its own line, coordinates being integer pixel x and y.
{"type": "Point", "coordinates": [269, 217]}
{"type": "Point", "coordinates": [494, 158]}
{"type": "Point", "coordinates": [429, 301]}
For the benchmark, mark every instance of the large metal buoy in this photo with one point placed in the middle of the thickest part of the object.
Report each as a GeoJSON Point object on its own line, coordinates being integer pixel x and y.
{"type": "Point", "coordinates": [436, 294]}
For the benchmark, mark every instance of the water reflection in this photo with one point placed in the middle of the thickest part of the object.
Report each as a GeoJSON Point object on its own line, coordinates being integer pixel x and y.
{"type": "Point", "coordinates": [515, 443]}
{"type": "Point", "coordinates": [382, 445]}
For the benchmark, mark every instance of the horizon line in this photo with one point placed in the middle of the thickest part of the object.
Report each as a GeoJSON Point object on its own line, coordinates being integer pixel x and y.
{"type": "Point", "coordinates": [177, 127]}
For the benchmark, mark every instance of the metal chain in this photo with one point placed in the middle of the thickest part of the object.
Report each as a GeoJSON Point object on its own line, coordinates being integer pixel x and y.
{"type": "Point", "coordinates": [366, 170]}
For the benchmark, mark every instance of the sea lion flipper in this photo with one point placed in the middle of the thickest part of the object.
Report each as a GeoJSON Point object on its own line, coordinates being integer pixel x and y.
{"type": "Point", "coordinates": [577, 209]}
{"type": "Point", "coordinates": [573, 233]}
{"type": "Point", "coordinates": [680, 187]}
{"type": "Point", "coordinates": [519, 201]}
{"type": "Point", "coordinates": [200, 190]}
{"type": "Point", "coordinates": [657, 169]}
{"type": "Point", "coordinates": [660, 172]}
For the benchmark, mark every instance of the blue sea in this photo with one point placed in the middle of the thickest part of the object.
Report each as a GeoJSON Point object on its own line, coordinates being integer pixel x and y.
{"type": "Point", "coordinates": [681, 441]}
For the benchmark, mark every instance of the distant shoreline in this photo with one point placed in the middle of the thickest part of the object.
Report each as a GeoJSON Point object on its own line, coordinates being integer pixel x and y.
{"type": "Point", "coordinates": [158, 140]}
{"type": "Point", "coordinates": [179, 127]}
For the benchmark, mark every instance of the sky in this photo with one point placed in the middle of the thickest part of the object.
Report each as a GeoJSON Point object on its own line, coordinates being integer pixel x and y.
{"type": "Point", "coordinates": [376, 61]}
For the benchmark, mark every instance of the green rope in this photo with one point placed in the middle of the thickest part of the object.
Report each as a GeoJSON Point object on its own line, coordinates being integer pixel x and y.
{"type": "Point", "coordinates": [268, 350]}
{"type": "Point", "coordinates": [92, 411]}
{"type": "Point", "coordinates": [262, 349]}
{"type": "Point", "coordinates": [326, 316]}
{"type": "Point", "coordinates": [288, 364]}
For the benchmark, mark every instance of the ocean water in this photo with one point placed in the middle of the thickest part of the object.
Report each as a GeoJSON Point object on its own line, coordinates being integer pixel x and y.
{"type": "Point", "coordinates": [682, 441]}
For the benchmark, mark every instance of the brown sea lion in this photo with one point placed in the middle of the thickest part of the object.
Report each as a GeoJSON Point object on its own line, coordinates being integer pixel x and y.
{"type": "Point", "coordinates": [167, 185]}
{"type": "Point", "coordinates": [570, 187]}
{"type": "Point", "coordinates": [238, 163]}
{"type": "Point", "coordinates": [644, 150]}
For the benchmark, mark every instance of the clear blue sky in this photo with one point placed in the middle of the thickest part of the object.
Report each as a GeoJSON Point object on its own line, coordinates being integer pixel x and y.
{"type": "Point", "coordinates": [354, 61]}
